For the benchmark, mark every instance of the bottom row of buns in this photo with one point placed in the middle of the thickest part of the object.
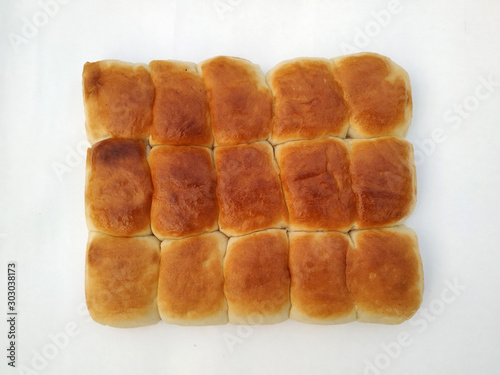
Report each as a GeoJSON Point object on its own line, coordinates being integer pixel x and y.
{"type": "Point", "coordinates": [266, 277]}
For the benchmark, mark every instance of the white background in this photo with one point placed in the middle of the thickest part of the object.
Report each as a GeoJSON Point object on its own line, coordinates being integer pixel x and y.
{"type": "Point", "coordinates": [451, 51]}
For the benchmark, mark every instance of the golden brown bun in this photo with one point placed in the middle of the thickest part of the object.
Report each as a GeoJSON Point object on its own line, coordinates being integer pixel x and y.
{"type": "Point", "coordinates": [378, 94]}
{"type": "Point", "coordinates": [248, 189]}
{"type": "Point", "coordinates": [308, 103]}
{"type": "Point", "coordinates": [121, 279]}
{"type": "Point", "coordinates": [191, 285]}
{"type": "Point", "coordinates": [316, 184]}
{"type": "Point", "coordinates": [385, 275]}
{"type": "Point", "coordinates": [184, 199]}
{"type": "Point", "coordinates": [118, 100]}
{"type": "Point", "coordinates": [383, 180]}
{"type": "Point", "coordinates": [257, 279]}
{"type": "Point", "coordinates": [180, 111]}
{"type": "Point", "coordinates": [118, 188]}
{"type": "Point", "coordinates": [241, 103]}
{"type": "Point", "coordinates": [319, 292]}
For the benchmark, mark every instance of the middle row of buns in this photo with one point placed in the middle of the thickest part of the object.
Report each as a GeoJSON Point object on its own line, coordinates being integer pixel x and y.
{"type": "Point", "coordinates": [178, 191]}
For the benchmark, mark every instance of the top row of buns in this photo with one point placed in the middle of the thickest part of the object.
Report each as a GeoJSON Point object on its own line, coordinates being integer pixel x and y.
{"type": "Point", "coordinates": [227, 101]}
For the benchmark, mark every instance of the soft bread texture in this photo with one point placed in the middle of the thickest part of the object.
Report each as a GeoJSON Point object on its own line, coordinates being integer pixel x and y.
{"type": "Point", "coordinates": [385, 275]}
{"type": "Point", "coordinates": [241, 104]}
{"type": "Point", "coordinates": [118, 188]}
{"type": "Point", "coordinates": [378, 93]}
{"type": "Point", "coordinates": [257, 280]}
{"type": "Point", "coordinates": [248, 189]}
{"type": "Point", "coordinates": [318, 292]}
{"type": "Point", "coordinates": [180, 110]}
{"type": "Point", "coordinates": [118, 100]}
{"type": "Point", "coordinates": [121, 279]}
{"type": "Point", "coordinates": [191, 284]}
{"type": "Point", "coordinates": [384, 181]}
{"type": "Point", "coordinates": [308, 102]}
{"type": "Point", "coordinates": [184, 199]}
{"type": "Point", "coordinates": [316, 184]}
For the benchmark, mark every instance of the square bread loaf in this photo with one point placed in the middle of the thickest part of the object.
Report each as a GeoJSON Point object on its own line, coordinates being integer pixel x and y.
{"type": "Point", "coordinates": [318, 292]}
{"type": "Point", "coordinates": [118, 100]}
{"type": "Point", "coordinates": [118, 188]}
{"type": "Point", "coordinates": [384, 274]}
{"type": "Point", "coordinates": [279, 195]}
{"type": "Point", "coordinates": [308, 102]}
{"type": "Point", "coordinates": [121, 280]}
{"type": "Point", "coordinates": [191, 283]}
{"type": "Point", "coordinates": [184, 201]}
{"type": "Point", "coordinates": [257, 279]}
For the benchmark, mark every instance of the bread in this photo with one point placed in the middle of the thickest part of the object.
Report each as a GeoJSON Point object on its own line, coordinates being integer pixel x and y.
{"type": "Point", "coordinates": [318, 292]}
{"type": "Point", "coordinates": [383, 180]}
{"type": "Point", "coordinates": [248, 189]}
{"type": "Point", "coordinates": [241, 104]}
{"type": "Point", "coordinates": [257, 280]}
{"type": "Point", "coordinates": [180, 110]}
{"type": "Point", "coordinates": [378, 94]}
{"type": "Point", "coordinates": [316, 184]}
{"type": "Point", "coordinates": [191, 283]}
{"type": "Point", "coordinates": [308, 102]}
{"type": "Point", "coordinates": [121, 278]}
{"type": "Point", "coordinates": [118, 188]}
{"type": "Point", "coordinates": [385, 275]}
{"type": "Point", "coordinates": [118, 100]}
{"type": "Point", "coordinates": [304, 169]}
{"type": "Point", "coordinates": [184, 199]}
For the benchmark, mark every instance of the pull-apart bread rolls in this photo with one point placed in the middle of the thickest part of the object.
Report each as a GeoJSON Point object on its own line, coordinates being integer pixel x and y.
{"type": "Point", "coordinates": [180, 110]}
{"type": "Point", "coordinates": [319, 293]}
{"type": "Point", "coordinates": [308, 102]}
{"type": "Point", "coordinates": [248, 189]}
{"type": "Point", "coordinates": [383, 180]}
{"type": "Point", "coordinates": [121, 280]}
{"type": "Point", "coordinates": [385, 275]}
{"type": "Point", "coordinates": [184, 199]}
{"type": "Point", "coordinates": [118, 188]}
{"type": "Point", "coordinates": [317, 184]}
{"type": "Point", "coordinates": [191, 285]}
{"type": "Point", "coordinates": [241, 104]}
{"type": "Point", "coordinates": [118, 100]}
{"type": "Point", "coordinates": [257, 280]}
{"type": "Point", "coordinates": [378, 94]}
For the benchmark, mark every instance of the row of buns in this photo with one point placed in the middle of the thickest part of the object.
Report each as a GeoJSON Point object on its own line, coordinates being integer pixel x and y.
{"type": "Point", "coordinates": [313, 185]}
{"type": "Point", "coordinates": [227, 100]}
{"type": "Point", "coordinates": [266, 277]}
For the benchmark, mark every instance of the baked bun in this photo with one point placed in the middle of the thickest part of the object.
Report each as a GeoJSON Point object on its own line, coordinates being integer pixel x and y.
{"type": "Point", "coordinates": [378, 94]}
{"type": "Point", "coordinates": [316, 184]}
{"type": "Point", "coordinates": [384, 181]}
{"type": "Point", "coordinates": [191, 285]}
{"type": "Point", "coordinates": [248, 189]}
{"type": "Point", "coordinates": [184, 200]}
{"type": "Point", "coordinates": [385, 275]}
{"type": "Point", "coordinates": [257, 280]}
{"type": "Point", "coordinates": [241, 104]}
{"type": "Point", "coordinates": [121, 279]}
{"type": "Point", "coordinates": [118, 188]}
{"type": "Point", "coordinates": [180, 110]}
{"type": "Point", "coordinates": [318, 292]}
{"type": "Point", "coordinates": [308, 102]}
{"type": "Point", "coordinates": [118, 100]}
